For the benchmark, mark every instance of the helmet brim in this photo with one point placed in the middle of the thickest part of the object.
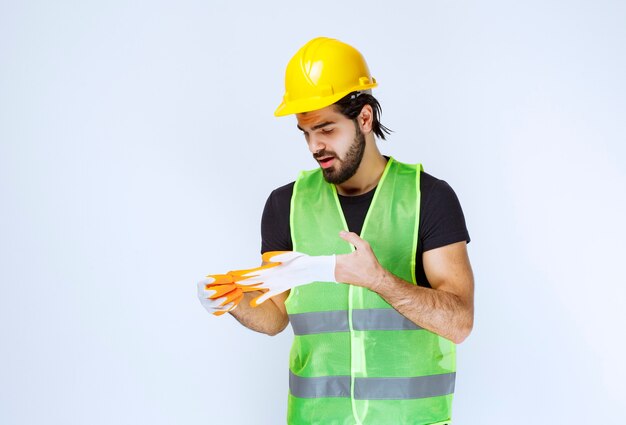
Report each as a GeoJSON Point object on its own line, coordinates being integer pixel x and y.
{"type": "Point", "coordinates": [313, 104]}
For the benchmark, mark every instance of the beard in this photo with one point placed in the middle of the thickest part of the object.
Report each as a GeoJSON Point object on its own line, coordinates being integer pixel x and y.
{"type": "Point", "coordinates": [337, 174]}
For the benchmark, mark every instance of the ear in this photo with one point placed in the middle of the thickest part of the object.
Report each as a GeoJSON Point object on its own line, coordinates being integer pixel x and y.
{"type": "Point", "coordinates": [366, 119]}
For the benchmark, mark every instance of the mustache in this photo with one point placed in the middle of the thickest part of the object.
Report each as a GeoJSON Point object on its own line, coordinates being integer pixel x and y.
{"type": "Point", "coordinates": [323, 153]}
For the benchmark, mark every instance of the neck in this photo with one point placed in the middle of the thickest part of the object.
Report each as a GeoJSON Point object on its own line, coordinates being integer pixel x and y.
{"type": "Point", "coordinates": [369, 173]}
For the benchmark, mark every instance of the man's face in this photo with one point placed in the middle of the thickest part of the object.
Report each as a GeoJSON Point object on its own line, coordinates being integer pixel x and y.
{"type": "Point", "coordinates": [335, 141]}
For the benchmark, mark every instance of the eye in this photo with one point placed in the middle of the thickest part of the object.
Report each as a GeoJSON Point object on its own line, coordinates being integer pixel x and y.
{"type": "Point", "coordinates": [327, 130]}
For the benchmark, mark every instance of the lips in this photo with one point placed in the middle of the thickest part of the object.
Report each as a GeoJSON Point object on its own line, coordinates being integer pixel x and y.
{"type": "Point", "coordinates": [327, 161]}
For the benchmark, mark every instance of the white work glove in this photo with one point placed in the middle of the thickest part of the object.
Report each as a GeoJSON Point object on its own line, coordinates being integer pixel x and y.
{"type": "Point", "coordinates": [285, 270]}
{"type": "Point", "coordinates": [218, 294]}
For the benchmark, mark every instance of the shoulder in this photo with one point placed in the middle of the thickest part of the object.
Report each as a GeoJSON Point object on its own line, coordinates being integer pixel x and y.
{"type": "Point", "coordinates": [434, 189]}
{"type": "Point", "coordinates": [442, 221]}
{"type": "Point", "coordinates": [279, 199]}
{"type": "Point", "coordinates": [282, 193]}
{"type": "Point", "coordinates": [275, 232]}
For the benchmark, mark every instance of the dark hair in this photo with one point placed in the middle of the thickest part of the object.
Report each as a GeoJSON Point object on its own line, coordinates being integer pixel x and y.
{"type": "Point", "coordinates": [352, 104]}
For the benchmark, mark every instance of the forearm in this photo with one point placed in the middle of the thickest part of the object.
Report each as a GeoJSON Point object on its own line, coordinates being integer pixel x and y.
{"type": "Point", "coordinates": [438, 311]}
{"type": "Point", "coordinates": [265, 318]}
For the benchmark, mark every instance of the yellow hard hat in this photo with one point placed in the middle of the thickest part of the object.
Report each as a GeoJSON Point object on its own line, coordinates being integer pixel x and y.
{"type": "Point", "coordinates": [323, 71]}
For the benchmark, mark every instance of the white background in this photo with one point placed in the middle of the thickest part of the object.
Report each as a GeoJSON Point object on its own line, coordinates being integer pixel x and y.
{"type": "Point", "coordinates": [138, 147]}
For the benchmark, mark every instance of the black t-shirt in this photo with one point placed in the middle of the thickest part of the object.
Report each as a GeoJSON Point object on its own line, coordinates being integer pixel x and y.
{"type": "Point", "coordinates": [441, 219]}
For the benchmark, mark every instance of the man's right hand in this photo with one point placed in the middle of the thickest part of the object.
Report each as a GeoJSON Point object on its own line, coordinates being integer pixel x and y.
{"type": "Point", "coordinates": [218, 298]}
{"type": "Point", "coordinates": [216, 294]}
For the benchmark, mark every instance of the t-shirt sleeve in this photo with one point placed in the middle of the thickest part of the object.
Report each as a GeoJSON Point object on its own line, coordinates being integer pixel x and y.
{"type": "Point", "coordinates": [275, 231]}
{"type": "Point", "coordinates": [441, 218]}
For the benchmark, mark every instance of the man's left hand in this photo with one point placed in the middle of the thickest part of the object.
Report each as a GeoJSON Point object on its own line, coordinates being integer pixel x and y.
{"type": "Point", "coordinates": [361, 267]}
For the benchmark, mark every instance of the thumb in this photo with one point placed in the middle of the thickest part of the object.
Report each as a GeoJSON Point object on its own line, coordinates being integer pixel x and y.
{"type": "Point", "coordinates": [354, 239]}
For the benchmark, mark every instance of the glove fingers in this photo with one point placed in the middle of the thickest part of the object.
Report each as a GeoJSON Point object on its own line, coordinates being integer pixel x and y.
{"type": "Point", "coordinates": [241, 274]}
{"type": "Point", "coordinates": [270, 256]}
{"type": "Point", "coordinates": [208, 280]}
{"type": "Point", "coordinates": [280, 256]}
{"type": "Point", "coordinates": [251, 281]}
{"type": "Point", "coordinates": [262, 298]}
{"type": "Point", "coordinates": [235, 294]}
{"type": "Point", "coordinates": [226, 309]}
{"type": "Point", "coordinates": [250, 288]}
{"type": "Point", "coordinates": [203, 294]}
{"type": "Point", "coordinates": [217, 291]}
{"type": "Point", "coordinates": [219, 279]}
{"type": "Point", "coordinates": [229, 303]}
{"type": "Point", "coordinates": [238, 299]}
{"type": "Point", "coordinates": [219, 303]}
{"type": "Point", "coordinates": [213, 304]}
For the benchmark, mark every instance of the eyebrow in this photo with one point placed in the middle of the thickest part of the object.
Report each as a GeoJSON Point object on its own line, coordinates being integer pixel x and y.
{"type": "Point", "coordinates": [318, 126]}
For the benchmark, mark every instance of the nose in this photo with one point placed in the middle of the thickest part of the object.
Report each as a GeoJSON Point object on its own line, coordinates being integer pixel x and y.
{"type": "Point", "coordinates": [315, 144]}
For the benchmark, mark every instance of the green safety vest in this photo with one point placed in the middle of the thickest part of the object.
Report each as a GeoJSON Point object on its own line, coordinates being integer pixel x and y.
{"type": "Point", "coordinates": [354, 358]}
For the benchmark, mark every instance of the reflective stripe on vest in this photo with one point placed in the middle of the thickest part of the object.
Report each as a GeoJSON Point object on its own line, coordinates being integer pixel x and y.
{"type": "Point", "coordinates": [372, 388]}
{"type": "Point", "coordinates": [354, 358]}
{"type": "Point", "coordinates": [378, 319]}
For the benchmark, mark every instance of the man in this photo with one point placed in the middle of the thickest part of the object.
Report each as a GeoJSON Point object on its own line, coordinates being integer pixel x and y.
{"type": "Point", "coordinates": [379, 347]}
